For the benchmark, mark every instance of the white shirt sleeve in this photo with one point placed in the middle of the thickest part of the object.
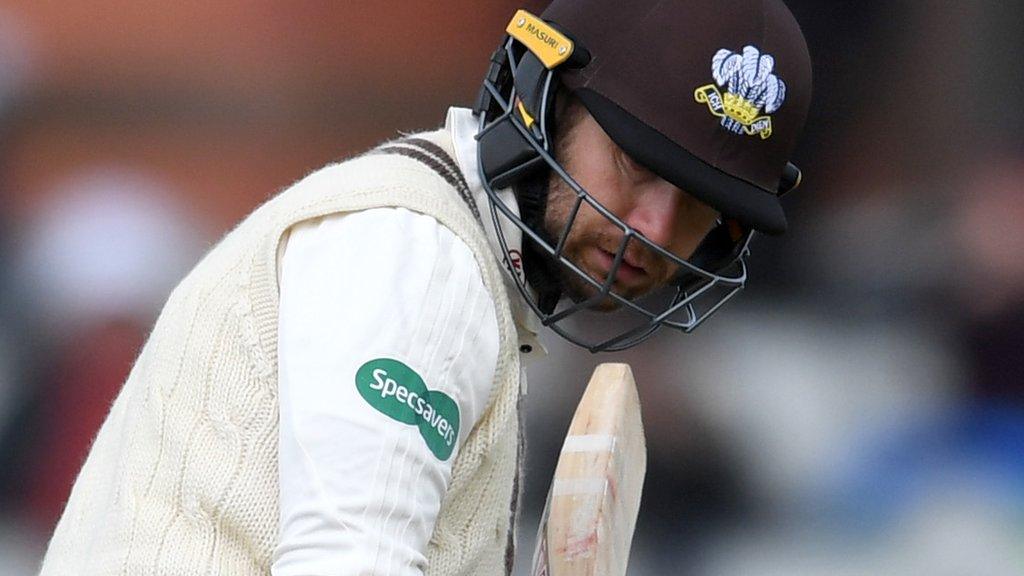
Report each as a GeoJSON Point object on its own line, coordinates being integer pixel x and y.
{"type": "Point", "coordinates": [383, 314]}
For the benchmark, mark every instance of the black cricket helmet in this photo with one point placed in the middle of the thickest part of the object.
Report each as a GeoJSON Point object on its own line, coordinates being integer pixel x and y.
{"type": "Point", "coordinates": [710, 96]}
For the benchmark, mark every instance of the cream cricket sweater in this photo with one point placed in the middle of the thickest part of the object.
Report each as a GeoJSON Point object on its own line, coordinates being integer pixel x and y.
{"type": "Point", "coordinates": [182, 478]}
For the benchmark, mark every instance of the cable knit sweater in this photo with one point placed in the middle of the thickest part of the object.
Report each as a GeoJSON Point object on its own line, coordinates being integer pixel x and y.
{"type": "Point", "coordinates": [182, 478]}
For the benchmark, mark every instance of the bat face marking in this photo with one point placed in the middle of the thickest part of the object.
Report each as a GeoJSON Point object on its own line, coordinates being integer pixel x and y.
{"type": "Point", "coordinates": [582, 547]}
{"type": "Point", "coordinates": [588, 522]}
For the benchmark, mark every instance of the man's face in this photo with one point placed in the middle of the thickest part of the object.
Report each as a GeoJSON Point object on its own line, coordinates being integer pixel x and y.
{"type": "Point", "coordinates": [660, 211]}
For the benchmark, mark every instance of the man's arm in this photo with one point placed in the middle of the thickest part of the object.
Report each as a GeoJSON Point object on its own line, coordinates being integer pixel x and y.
{"type": "Point", "coordinates": [383, 316]}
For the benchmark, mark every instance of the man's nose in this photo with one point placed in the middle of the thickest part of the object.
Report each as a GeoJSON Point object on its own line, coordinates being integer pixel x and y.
{"type": "Point", "coordinates": [655, 213]}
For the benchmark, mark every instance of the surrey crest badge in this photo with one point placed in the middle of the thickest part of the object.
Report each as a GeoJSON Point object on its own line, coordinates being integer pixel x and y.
{"type": "Point", "coordinates": [751, 92]}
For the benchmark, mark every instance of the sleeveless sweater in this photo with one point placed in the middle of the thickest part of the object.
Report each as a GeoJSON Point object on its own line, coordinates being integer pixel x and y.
{"type": "Point", "coordinates": [182, 477]}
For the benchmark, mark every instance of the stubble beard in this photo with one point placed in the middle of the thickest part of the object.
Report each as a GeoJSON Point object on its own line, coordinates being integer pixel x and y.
{"type": "Point", "coordinates": [561, 198]}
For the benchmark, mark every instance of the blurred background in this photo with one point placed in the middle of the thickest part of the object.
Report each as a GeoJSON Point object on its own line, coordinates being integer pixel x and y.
{"type": "Point", "coordinates": [858, 410]}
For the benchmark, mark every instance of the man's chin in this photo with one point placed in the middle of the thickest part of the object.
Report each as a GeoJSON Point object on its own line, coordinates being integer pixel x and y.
{"type": "Point", "coordinates": [580, 291]}
{"type": "Point", "coordinates": [606, 304]}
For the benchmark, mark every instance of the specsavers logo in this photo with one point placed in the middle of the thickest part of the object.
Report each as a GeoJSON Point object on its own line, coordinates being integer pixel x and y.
{"type": "Point", "coordinates": [398, 392]}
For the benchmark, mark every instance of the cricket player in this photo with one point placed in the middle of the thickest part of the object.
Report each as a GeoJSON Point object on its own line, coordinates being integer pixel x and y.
{"type": "Point", "coordinates": [335, 387]}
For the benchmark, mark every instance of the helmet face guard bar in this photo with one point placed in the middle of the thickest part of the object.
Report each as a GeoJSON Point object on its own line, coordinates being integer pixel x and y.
{"type": "Point", "coordinates": [696, 293]}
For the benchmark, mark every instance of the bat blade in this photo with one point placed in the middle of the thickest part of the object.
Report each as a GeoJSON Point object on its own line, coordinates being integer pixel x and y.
{"type": "Point", "coordinates": [588, 521]}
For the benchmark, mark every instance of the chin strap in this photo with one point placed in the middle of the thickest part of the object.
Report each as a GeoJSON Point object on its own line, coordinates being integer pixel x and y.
{"type": "Point", "coordinates": [542, 277]}
{"type": "Point", "coordinates": [541, 271]}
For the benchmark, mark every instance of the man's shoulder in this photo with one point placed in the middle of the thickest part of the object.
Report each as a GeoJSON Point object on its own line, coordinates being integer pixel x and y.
{"type": "Point", "coordinates": [415, 171]}
{"type": "Point", "coordinates": [408, 157]}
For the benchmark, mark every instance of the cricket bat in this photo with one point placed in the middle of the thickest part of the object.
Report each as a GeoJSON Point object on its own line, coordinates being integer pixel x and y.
{"type": "Point", "coordinates": [592, 505]}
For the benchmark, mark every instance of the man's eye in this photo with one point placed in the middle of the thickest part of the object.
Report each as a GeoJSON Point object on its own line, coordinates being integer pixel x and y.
{"type": "Point", "coordinates": [631, 167]}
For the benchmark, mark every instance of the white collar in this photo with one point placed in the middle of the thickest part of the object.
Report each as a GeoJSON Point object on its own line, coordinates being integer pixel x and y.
{"type": "Point", "coordinates": [463, 126]}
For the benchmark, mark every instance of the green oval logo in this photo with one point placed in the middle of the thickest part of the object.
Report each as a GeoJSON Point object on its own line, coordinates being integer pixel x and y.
{"type": "Point", "coordinates": [397, 391]}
